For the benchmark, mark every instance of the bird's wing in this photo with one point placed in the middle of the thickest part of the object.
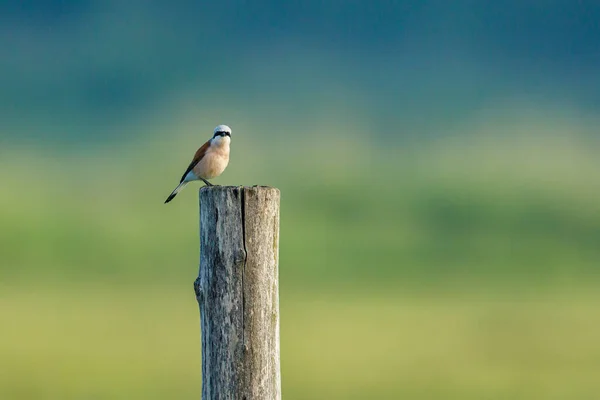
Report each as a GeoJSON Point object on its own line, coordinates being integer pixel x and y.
{"type": "Point", "coordinates": [197, 157]}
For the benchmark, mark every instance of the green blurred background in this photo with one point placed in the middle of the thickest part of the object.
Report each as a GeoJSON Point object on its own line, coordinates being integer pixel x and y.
{"type": "Point", "coordinates": [439, 170]}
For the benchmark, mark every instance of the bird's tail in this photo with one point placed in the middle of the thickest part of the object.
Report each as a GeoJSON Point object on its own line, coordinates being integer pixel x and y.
{"type": "Point", "coordinates": [174, 192]}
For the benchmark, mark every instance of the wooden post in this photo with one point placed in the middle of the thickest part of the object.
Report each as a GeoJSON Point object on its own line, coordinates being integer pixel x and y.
{"type": "Point", "coordinates": [238, 292]}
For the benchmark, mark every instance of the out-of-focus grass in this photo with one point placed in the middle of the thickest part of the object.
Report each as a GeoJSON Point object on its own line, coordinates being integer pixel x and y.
{"type": "Point", "coordinates": [489, 207]}
{"type": "Point", "coordinates": [406, 269]}
{"type": "Point", "coordinates": [129, 342]}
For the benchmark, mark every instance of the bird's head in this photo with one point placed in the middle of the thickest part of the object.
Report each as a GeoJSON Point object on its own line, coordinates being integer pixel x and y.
{"type": "Point", "coordinates": [222, 130]}
{"type": "Point", "coordinates": [222, 135]}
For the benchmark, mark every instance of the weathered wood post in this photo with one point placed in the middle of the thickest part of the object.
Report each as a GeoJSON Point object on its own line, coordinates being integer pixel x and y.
{"type": "Point", "coordinates": [238, 292]}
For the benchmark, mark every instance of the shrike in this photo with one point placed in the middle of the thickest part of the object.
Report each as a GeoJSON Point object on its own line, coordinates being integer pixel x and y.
{"type": "Point", "coordinates": [209, 161]}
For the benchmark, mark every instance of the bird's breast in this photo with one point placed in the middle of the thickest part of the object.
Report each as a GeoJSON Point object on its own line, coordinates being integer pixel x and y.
{"type": "Point", "coordinates": [212, 164]}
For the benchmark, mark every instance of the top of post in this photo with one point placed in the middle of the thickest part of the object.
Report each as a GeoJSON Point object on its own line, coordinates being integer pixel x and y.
{"type": "Point", "coordinates": [247, 189]}
{"type": "Point", "coordinates": [219, 187]}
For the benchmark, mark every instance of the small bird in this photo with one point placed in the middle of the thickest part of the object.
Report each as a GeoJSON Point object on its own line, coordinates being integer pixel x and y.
{"type": "Point", "coordinates": [210, 160]}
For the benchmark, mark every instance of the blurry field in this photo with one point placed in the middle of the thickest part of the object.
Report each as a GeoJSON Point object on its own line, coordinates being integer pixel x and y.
{"type": "Point", "coordinates": [123, 342]}
{"type": "Point", "coordinates": [439, 172]}
{"type": "Point", "coordinates": [460, 268]}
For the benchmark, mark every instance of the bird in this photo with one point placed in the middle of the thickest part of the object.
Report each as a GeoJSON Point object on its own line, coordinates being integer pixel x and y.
{"type": "Point", "coordinates": [210, 160]}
